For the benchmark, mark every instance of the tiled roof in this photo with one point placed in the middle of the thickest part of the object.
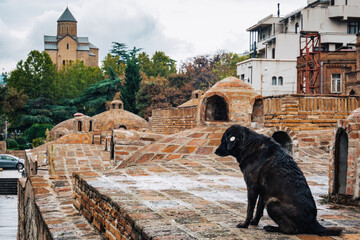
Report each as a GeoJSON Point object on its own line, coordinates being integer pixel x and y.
{"type": "Point", "coordinates": [83, 48]}
{"type": "Point", "coordinates": [67, 16]}
{"type": "Point", "coordinates": [50, 46]}
{"type": "Point", "coordinates": [92, 45]}
{"type": "Point", "coordinates": [50, 38]}
{"type": "Point", "coordinates": [83, 40]}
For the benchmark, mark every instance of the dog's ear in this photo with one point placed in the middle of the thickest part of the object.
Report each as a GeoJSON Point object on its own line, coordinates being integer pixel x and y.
{"type": "Point", "coordinates": [231, 141]}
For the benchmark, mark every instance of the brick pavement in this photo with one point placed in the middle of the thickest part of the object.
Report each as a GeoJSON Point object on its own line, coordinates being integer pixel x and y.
{"type": "Point", "coordinates": [175, 188]}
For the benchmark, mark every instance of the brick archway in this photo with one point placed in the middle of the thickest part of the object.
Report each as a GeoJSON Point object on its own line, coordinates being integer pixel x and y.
{"type": "Point", "coordinates": [215, 107]}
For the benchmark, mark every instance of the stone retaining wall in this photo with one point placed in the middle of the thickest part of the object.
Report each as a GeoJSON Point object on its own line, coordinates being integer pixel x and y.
{"type": "Point", "coordinates": [302, 112]}
{"type": "Point", "coordinates": [173, 120]}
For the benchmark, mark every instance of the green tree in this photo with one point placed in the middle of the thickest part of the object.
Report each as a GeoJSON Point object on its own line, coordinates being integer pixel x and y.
{"type": "Point", "coordinates": [36, 131]}
{"type": "Point", "coordinates": [159, 65]}
{"type": "Point", "coordinates": [36, 76]}
{"type": "Point", "coordinates": [76, 77]}
{"type": "Point", "coordinates": [14, 103]}
{"type": "Point", "coordinates": [113, 62]}
{"type": "Point", "coordinates": [132, 82]}
{"type": "Point", "coordinates": [93, 99]}
{"type": "Point", "coordinates": [225, 64]}
{"type": "Point", "coordinates": [120, 50]}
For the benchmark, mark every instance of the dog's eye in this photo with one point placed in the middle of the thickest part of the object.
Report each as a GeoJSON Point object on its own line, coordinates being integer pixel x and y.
{"type": "Point", "coordinates": [232, 139]}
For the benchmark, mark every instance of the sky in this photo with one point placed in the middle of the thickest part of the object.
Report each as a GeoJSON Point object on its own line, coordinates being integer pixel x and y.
{"type": "Point", "coordinates": [181, 28]}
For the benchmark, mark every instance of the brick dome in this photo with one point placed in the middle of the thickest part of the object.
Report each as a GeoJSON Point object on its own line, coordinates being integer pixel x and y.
{"type": "Point", "coordinates": [229, 100]}
{"type": "Point", "coordinates": [119, 118]}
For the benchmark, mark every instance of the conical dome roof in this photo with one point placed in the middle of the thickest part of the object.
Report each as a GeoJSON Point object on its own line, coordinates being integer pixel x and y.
{"type": "Point", "coordinates": [67, 16]}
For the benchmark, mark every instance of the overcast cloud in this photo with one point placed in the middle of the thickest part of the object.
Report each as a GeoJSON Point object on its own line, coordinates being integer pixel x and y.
{"type": "Point", "coordinates": [180, 28]}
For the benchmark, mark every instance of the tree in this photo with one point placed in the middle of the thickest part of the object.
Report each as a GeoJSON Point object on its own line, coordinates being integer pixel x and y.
{"type": "Point", "coordinates": [115, 64]}
{"type": "Point", "coordinates": [159, 65]}
{"type": "Point", "coordinates": [132, 82]}
{"type": "Point", "coordinates": [225, 64]}
{"type": "Point", "coordinates": [14, 104]}
{"type": "Point", "coordinates": [37, 131]}
{"type": "Point", "coordinates": [76, 77]}
{"type": "Point", "coordinates": [93, 99]}
{"type": "Point", "coordinates": [120, 50]}
{"type": "Point", "coordinates": [36, 76]}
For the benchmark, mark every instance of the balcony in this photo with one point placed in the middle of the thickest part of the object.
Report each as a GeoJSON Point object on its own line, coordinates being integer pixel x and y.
{"type": "Point", "coordinates": [344, 12]}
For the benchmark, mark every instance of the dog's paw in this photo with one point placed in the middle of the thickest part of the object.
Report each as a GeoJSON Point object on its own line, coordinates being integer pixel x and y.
{"type": "Point", "coordinates": [242, 225]}
{"type": "Point", "coordinates": [269, 228]}
{"type": "Point", "coordinates": [254, 222]}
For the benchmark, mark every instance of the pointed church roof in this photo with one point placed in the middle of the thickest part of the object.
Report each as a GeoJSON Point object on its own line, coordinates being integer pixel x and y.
{"type": "Point", "coordinates": [67, 16]}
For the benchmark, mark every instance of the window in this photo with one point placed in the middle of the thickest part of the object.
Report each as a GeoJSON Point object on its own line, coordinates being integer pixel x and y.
{"type": "Point", "coordinates": [336, 83]}
{"type": "Point", "coordinates": [297, 28]}
{"type": "Point", "coordinates": [332, 2]}
{"type": "Point", "coordinates": [242, 77]}
{"type": "Point", "coordinates": [63, 62]}
{"type": "Point", "coordinates": [67, 46]}
{"type": "Point", "coordinates": [274, 81]}
{"type": "Point", "coordinates": [273, 53]}
{"type": "Point", "coordinates": [353, 27]}
{"type": "Point", "coordinates": [280, 81]}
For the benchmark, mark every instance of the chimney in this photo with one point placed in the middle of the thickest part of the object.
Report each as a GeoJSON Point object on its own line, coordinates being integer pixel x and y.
{"type": "Point", "coordinates": [278, 13]}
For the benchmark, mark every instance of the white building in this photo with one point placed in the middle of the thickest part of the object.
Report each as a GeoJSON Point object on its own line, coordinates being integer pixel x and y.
{"type": "Point", "coordinates": [275, 42]}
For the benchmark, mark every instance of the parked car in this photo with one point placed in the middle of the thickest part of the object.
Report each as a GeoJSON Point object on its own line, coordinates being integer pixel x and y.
{"type": "Point", "coordinates": [9, 161]}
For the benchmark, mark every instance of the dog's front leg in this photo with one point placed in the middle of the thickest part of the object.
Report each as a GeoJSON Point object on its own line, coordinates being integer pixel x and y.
{"type": "Point", "coordinates": [252, 197]}
{"type": "Point", "coordinates": [259, 211]}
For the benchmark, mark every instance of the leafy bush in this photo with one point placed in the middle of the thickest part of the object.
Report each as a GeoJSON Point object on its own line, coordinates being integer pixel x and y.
{"type": "Point", "coordinates": [21, 141]}
{"type": "Point", "coordinates": [37, 131]}
{"type": "Point", "coordinates": [11, 144]}
{"type": "Point", "coordinates": [37, 142]}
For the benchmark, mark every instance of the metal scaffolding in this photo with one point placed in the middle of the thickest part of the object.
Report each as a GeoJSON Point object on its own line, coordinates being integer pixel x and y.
{"type": "Point", "coordinates": [309, 69]}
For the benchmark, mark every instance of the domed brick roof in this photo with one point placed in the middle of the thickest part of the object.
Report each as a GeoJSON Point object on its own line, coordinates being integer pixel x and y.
{"type": "Point", "coordinates": [354, 116]}
{"type": "Point", "coordinates": [234, 98]}
{"type": "Point", "coordinates": [116, 118]}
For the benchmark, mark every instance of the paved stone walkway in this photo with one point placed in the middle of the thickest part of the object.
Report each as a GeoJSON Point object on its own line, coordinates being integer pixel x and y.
{"type": "Point", "coordinates": [175, 189]}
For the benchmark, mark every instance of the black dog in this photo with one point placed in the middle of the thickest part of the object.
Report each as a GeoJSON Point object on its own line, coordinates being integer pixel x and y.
{"type": "Point", "coordinates": [273, 176]}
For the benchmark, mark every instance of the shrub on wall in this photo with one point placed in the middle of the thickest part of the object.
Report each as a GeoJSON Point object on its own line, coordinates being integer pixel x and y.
{"type": "Point", "coordinates": [11, 144]}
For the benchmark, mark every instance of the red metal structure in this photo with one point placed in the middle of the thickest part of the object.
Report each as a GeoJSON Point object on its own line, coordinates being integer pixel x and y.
{"type": "Point", "coordinates": [309, 69]}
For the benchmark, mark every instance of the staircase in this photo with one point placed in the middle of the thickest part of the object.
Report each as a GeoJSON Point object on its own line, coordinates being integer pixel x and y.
{"type": "Point", "coordinates": [8, 186]}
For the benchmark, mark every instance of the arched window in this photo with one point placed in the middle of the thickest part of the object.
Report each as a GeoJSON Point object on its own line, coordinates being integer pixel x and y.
{"type": "Point", "coordinates": [196, 96]}
{"type": "Point", "coordinates": [257, 114]}
{"type": "Point", "coordinates": [297, 28]}
{"type": "Point", "coordinates": [341, 158]}
{"type": "Point", "coordinates": [63, 62]}
{"type": "Point", "coordinates": [79, 126]}
{"type": "Point", "coordinates": [280, 81]}
{"type": "Point", "coordinates": [352, 92]}
{"type": "Point", "coordinates": [216, 109]}
{"type": "Point", "coordinates": [67, 46]}
{"type": "Point", "coordinates": [112, 148]}
{"type": "Point", "coordinates": [123, 127]}
{"type": "Point", "coordinates": [90, 126]}
{"type": "Point", "coordinates": [273, 82]}
{"type": "Point", "coordinates": [273, 53]}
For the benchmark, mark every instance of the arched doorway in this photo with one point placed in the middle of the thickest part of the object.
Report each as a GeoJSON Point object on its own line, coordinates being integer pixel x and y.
{"type": "Point", "coordinates": [341, 157]}
{"type": "Point", "coordinates": [284, 140]}
{"type": "Point", "coordinates": [216, 109]}
{"type": "Point", "coordinates": [257, 114]}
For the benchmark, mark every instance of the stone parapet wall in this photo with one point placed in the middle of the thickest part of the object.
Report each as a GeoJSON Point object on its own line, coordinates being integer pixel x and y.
{"type": "Point", "coordinates": [173, 120]}
{"type": "Point", "coordinates": [301, 112]}
{"type": "Point", "coordinates": [104, 214]}
{"type": "Point", "coordinates": [31, 225]}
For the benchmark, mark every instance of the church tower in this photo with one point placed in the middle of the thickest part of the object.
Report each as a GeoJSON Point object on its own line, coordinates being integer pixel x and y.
{"type": "Point", "coordinates": [67, 24]}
